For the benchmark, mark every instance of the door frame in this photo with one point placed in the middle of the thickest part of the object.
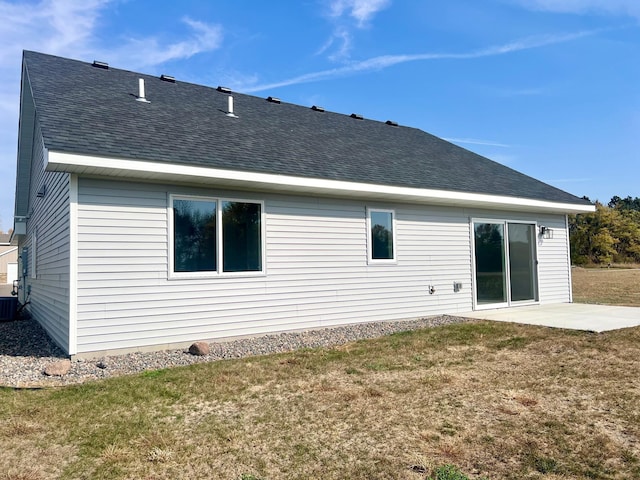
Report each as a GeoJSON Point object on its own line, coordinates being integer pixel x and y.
{"type": "Point", "coordinates": [509, 302]}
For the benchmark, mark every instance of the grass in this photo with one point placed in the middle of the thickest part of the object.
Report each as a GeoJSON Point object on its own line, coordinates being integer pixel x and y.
{"type": "Point", "coordinates": [487, 399]}
{"type": "Point", "coordinates": [609, 286]}
{"type": "Point", "coordinates": [460, 402]}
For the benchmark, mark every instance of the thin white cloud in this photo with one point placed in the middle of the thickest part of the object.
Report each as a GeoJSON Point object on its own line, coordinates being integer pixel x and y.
{"type": "Point", "coordinates": [49, 25]}
{"type": "Point", "coordinates": [569, 180]}
{"type": "Point", "coordinates": [386, 61]}
{"type": "Point", "coordinates": [521, 92]}
{"type": "Point", "coordinates": [150, 51]}
{"type": "Point", "coordinates": [69, 28]}
{"type": "Point", "coordinates": [475, 141]}
{"type": "Point", "coordinates": [610, 7]}
{"type": "Point", "coordinates": [348, 16]}
{"type": "Point", "coordinates": [362, 11]}
{"type": "Point", "coordinates": [342, 39]}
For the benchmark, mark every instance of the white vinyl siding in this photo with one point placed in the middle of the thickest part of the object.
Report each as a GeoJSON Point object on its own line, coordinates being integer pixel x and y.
{"type": "Point", "coordinates": [316, 263]}
{"type": "Point", "coordinates": [554, 268]}
{"type": "Point", "coordinates": [47, 274]}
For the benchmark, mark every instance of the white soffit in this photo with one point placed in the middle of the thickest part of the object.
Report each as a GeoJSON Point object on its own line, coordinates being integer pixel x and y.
{"type": "Point", "coordinates": [173, 173]}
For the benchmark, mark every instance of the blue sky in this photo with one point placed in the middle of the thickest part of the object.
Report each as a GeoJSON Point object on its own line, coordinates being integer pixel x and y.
{"type": "Point", "coordinates": [548, 87]}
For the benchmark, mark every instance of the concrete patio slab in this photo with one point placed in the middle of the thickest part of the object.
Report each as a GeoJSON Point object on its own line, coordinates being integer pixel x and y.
{"type": "Point", "coordinates": [576, 316]}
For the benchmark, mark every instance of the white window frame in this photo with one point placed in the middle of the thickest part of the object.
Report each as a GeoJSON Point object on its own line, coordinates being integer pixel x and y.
{"type": "Point", "coordinates": [172, 274]}
{"type": "Point", "coordinates": [394, 235]}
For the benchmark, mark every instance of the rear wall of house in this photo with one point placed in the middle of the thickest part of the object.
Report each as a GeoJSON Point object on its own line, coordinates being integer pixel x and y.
{"type": "Point", "coordinates": [317, 273]}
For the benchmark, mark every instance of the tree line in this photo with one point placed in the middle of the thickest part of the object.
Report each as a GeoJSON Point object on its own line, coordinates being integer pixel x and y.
{"type": "Point", "coordinates": [611, 234]}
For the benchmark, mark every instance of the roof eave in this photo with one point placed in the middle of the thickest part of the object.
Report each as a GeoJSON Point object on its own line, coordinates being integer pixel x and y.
{"type": "Point", "coordinates": [175, 173]}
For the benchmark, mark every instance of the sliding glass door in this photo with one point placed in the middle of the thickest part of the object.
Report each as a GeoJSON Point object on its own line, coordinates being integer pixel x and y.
{"type": "Point", "coordinates": [491, 272]}
{"type": "Point", "coordinates": [522, 262]}
{"type": "Point", "coordinates": [505, 263]}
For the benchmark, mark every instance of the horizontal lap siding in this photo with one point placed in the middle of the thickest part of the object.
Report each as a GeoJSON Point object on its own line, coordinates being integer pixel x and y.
{"type": "Point", "coordinates": [555, 284]}
{"type": "Point", "coordinates": [49, 300]}
{"type": "Point", "coordinates": [316, 262]}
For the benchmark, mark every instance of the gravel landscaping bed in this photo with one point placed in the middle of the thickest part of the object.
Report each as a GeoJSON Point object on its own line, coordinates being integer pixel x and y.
{"type": "Point", "coordinates": [26, 350]}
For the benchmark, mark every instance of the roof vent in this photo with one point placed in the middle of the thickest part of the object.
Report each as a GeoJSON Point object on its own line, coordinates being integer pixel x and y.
{"type": "Point", "coordinates": [141, 97]}
{"type": "Point", "coordinates": [223, 89]}
{"type": "Point", "coordinates": [392, 123]}
{"type": "Point", "coordinates": [167, 78]}
{"type": "Point", "coordinates": [273, 100]}
{"type": "Point", "coordinates": [103, 65]}
{"type": "Point", "coordinates": [230, 107]}
{"type": "Point", "coordinates": [317, 108]}
{"type": "Point", "coordinates": [357, 116]}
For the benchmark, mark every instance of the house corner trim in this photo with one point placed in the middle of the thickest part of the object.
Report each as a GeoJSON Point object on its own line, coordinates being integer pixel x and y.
{"type": "Point", "coordinates": [73, 264]}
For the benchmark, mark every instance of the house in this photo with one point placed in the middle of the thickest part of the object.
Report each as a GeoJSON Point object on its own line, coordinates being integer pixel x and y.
{"type": "Point", "coordinates": [8, 260]}
{"type": "Point", "coordinates": [152, 212]}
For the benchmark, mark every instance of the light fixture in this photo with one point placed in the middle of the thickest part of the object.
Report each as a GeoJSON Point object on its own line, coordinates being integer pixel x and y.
{"type": "Point", "coordinates": [42, 192]}
{"type": "Point", "coordinates": [546, 232]}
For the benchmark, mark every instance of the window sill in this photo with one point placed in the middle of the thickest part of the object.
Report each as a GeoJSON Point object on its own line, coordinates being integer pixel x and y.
{"type": "Point", "coordinates": [382, 262]}
{"type": "Point", "coordinates": [215, 275]}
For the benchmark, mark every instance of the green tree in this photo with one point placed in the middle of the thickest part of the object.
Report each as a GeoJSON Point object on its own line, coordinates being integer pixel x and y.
{"type": "Point", "coordinates": [627, 203]}
{"type": "Point", "coordinates": [610, 234]}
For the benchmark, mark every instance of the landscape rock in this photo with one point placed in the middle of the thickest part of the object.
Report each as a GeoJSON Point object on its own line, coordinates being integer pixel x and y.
{"type": "Point", "coordinates": [25, 350]}
{"type": "Point", "coordinates": [58, 369]}
{"type": "Point", "coordinates": [199, 348]}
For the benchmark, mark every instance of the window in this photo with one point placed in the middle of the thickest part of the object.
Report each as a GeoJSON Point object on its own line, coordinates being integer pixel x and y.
{"type": "Point", "coordinates": [194, 236]}
{"type": "Point", "coordinates": [212, 236]}
{"type": "Point", "coordinates": [381, 235]}
{"type": "Point", "coordinates": [241, 237]}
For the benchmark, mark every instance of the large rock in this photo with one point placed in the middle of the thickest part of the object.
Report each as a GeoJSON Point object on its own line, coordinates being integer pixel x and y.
{"type": "Point", "coordinates": [58, 369]}
{"type": "Point", "coordinates": [199, 348]}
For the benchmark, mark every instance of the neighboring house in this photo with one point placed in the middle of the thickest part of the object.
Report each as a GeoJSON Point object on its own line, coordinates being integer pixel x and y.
{"type": "Point", "coordinates": [8, 260]}
{"type": "Point", "coordinates": [153, 220]}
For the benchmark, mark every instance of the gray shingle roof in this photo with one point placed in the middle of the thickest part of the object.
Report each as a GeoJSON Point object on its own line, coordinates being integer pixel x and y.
{"type": "Point", "coordinates": [87, 110]}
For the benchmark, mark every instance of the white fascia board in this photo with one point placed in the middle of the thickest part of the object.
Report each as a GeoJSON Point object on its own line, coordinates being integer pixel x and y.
{"type": "Point", "coordinates": [161, 171]}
